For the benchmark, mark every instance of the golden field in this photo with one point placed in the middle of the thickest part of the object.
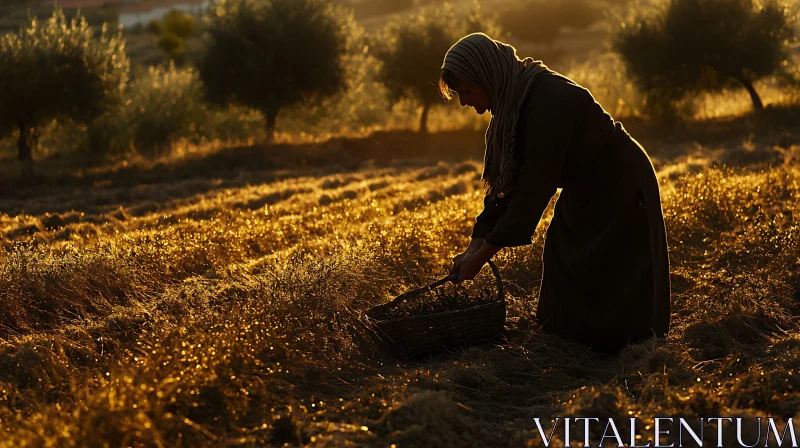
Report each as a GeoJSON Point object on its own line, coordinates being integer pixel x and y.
{"type": "Point", "coordinates": [210, 300]}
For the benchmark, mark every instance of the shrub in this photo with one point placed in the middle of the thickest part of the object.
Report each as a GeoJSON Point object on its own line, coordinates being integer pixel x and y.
{"type": "Point", "coordinates": [362, 105]}
{"type": "Point", "coordinates": [172, 44]}
{"type": "Point", "coordinates": [480, 21]}
{"type": "Point", "coordinates": [604, 76]}
{"type": "Point", "coordinates": [178, 23]}
{"type": "Point", "coordinates": [165, 104]}
{"type": "Point", "coordinates": [267, 55]}
{"type": "Point", "coordinates": [109, 134]}
{"type": "Point", "coordinates": [692, 46]}
{"type": "Point", "coordinates": [57, 68]}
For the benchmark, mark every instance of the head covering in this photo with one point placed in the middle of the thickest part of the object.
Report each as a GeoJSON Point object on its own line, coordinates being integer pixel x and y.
{"type": "Point", "coordinates": [495, 67]}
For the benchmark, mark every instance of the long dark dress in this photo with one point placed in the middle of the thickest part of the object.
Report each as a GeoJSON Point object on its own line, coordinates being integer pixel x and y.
{"type": "Point", "coordinates": [606, 266]}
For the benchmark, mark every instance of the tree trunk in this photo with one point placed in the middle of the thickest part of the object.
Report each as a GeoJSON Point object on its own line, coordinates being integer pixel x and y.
{"type": "Point", "coordinates": [423, 120]}
{"type": "Point", "coordinates": [25, 154]}
{"type": "Point", "coordinates": [270, 128]}
{"type": "Point", "coordinates": [757, 104]}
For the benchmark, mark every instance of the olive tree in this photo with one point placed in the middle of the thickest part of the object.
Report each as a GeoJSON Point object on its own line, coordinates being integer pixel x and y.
{"type": "Point", "coordinates": [691, 46]}
{"type": "Point", "coordinates": [411, 50]}
{"type": "Point", "coordinates": [57, 68]}
{"type": "Point", "coordinates": [270, 54]}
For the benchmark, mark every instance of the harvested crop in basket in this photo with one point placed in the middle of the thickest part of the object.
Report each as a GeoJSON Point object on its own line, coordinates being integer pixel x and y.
{"type": "Point", "coordinates": [445, 298]}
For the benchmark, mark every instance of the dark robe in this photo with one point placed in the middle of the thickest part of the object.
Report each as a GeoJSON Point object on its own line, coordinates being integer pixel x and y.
{"type": "Point", "coordinates": [606, 267]}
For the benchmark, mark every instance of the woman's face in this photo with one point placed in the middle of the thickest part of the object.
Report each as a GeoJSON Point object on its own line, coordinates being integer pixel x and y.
{"type": "Point", "coordinates": [471, 95]}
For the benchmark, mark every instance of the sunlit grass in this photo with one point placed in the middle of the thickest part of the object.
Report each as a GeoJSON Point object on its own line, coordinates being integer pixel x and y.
{"type": "Point", "coordinates": [201, 310]}
{"type": "Point", "coordinates": [737, 102]}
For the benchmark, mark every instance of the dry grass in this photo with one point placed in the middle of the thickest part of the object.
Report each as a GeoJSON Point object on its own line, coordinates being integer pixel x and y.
{"type": "Point", "coordinates": [192, 309]}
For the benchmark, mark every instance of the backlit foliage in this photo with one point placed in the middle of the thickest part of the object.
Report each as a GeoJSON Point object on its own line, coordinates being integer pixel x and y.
{"type": "Point", "coordinates": [271, 54]}
{"type": "Point", "coordinates": [677, 48]}
{"type": "Point", "coordinates": [58, 68]}
{"type": "Point", "coordinates": [410, 50]}
{"type": "Point", "coordinates": [164, 105]}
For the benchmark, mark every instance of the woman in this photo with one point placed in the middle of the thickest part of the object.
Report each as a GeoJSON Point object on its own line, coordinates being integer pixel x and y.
{"type": "Point", "coordinates": [606, 268]}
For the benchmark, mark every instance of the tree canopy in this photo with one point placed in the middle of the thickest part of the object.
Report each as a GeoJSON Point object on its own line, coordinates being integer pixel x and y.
{"type": "Point", "coordinates": [270, 54]}
{"type": "Point", "coordinates": [58, 68]}
{"type": "Point", "coordinates": [691, 46]}
{"type": "Point", "coordinates": [411, 50]}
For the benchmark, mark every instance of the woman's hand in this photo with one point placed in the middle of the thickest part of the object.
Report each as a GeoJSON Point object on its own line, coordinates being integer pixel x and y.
{"type": "Point", "coordinates": [457, 264]}
{"type": "Point", "coordinates": [469, 264]}
{"type": "Point", "coordinates": [457, 261]}
{"type": "Point", "coordinates": [474, 246]}
{"type": "Point", "coordinates": [469, 267]}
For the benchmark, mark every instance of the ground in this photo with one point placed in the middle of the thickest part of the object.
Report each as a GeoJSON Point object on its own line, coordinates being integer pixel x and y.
{"type": "Point", "coordinates": [212, 299]}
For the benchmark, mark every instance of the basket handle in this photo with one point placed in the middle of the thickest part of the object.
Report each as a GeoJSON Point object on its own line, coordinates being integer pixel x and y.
{"type": "Point", "coordinates": [500, 288]}
{"type": "Point", "coordinates": [416, 292]}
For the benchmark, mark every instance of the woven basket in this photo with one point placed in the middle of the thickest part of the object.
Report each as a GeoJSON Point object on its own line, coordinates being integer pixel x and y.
{"type": "Point", "coordinates": [417, 336]}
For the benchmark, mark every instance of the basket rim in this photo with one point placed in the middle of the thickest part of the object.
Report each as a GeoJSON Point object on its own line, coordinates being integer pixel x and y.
{"type": "Point", "coordinates": [365, 314]}
{"type": "Point", "coordinates": [399, 299]}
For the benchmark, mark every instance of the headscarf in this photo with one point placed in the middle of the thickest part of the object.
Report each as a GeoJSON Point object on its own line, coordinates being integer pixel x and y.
{"type": "Point", "coordinates": [495, 66]}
